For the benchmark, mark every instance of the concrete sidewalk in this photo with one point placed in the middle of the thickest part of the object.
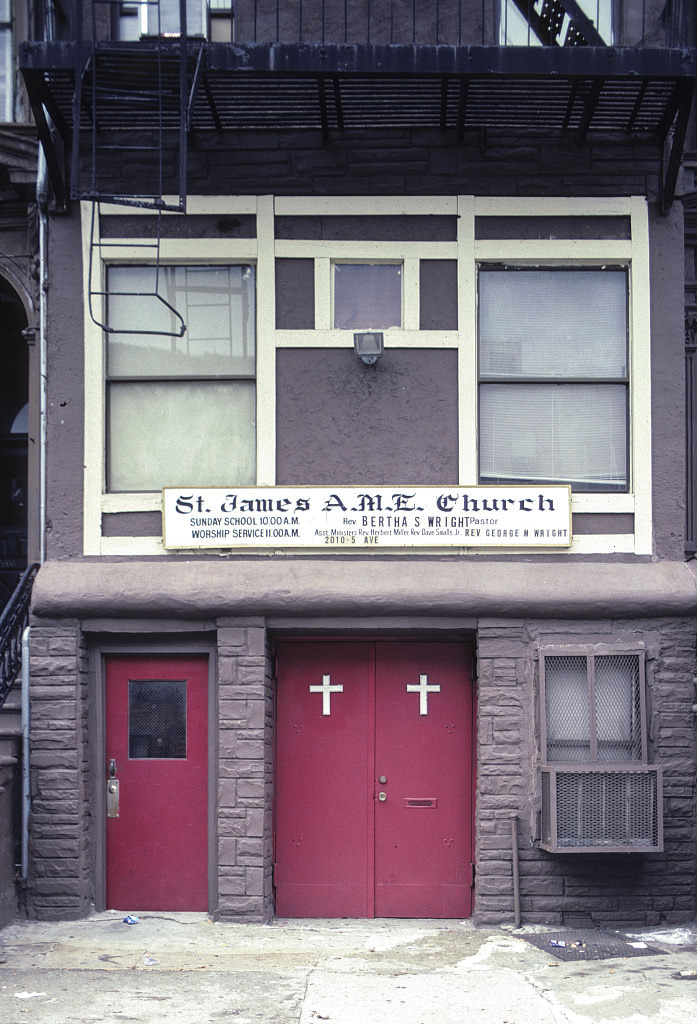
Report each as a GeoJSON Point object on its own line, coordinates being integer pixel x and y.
{"type": "Point", "coordinates": [183, 968]}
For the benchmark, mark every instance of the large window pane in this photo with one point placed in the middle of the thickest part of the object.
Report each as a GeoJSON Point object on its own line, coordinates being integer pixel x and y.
{"type": "Point", "coordinates": [553, 323]}
{"type": "Point", "coordinates": [367, 296]}
{"type": "Point", "coordinates": [164, 17]}
{"type": "Point", "coordinates": [563, 433]}
{"type": "Point", "coordinates": [166, 434]}
{"type": "Point", "coordinates": [215, 303]}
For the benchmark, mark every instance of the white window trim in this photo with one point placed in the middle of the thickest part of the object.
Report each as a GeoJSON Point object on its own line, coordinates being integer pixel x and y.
{"type": "Point", "coordinates": [262, 251]}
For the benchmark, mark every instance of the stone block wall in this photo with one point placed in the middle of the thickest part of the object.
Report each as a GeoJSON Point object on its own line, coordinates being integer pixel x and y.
{"type": "Point", "coordinates": [609, 889]}
{"type": "Point", "coordinates": [59, 885]}
{"type": "Point", "coordinates": [10, 776]}
{"type": "Point", "coordinates": [416, 161]}
{"type": "Point", "coordinates": [244, 854]}
{"type": "Point", "coordinates": [575, 889]}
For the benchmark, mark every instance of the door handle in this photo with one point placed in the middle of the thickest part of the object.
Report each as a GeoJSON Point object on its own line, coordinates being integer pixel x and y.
{"type": "Point", "coordinates": [112, 791]}
{"type": "Point", "coordinates": [382, 797]}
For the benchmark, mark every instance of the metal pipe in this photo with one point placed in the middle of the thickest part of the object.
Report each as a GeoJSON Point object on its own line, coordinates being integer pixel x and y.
{"type": "Point", "coordinates": [516, 870]}
{"type": "Point", "coordinates": [41, 200]}
{"type": "Point", "coordinates": [26, 779]}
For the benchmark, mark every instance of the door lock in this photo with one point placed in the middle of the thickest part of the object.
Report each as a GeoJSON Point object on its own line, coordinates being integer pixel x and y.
{"type": "Point", "coordinates": [112, 792]}
{"type": "Point", "coordinates": [382, 780]}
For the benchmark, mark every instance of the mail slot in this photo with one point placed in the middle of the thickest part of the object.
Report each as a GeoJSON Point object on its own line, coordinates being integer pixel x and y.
{"type": "Point", "coordinates": [412, 801]}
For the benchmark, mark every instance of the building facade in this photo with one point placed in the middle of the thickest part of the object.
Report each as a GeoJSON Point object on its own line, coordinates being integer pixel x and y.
{"type": "Point", "coordinates": [324, 634]}
{"type": "Point", "coordinates": [19, 412]}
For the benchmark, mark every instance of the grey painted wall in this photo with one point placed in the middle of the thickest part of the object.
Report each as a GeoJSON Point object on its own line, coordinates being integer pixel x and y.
{"type": "Point", "coordinates": [339, 421]}
{"type": "Point", "coordinates": [668, 382]}
{"type": "Point", "coordinates": [65, 369]}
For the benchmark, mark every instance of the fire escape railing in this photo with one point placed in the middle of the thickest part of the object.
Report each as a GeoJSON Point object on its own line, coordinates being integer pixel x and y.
{"type": "Point", "coordinates": [139, 102]}
{"type": "Point", "coordinates": [13, 621]}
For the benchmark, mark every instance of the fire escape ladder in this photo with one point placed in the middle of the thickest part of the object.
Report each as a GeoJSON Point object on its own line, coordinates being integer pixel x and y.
{"type": "Point", "coordinates": [98, 296]}
{"type": "Point", "coordinates": [151, 84]}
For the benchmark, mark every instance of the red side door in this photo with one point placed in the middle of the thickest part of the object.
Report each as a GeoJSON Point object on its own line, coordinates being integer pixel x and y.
{"type": "Point", "coordinates": [373, 780]}
{"type": "Point", "coordinates": [156, 746]}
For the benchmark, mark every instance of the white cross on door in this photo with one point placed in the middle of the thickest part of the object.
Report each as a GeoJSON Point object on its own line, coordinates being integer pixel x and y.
{"type": "Point", "coordinates": [423, 689]}
{"type": "Point", "coordinates": [327, 690]}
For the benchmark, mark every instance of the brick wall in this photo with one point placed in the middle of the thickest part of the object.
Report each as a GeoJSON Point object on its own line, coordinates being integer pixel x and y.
{"type": "Point", "coordinates": [606, 889]}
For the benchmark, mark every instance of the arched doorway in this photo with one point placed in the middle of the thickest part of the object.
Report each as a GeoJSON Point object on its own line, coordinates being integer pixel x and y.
{"type": "Point", "coordinates": [14, 392]}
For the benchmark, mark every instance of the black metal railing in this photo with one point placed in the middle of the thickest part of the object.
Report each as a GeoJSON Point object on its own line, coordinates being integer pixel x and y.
{"type": "Point", "coordinates": [14, 619]}
{"type": "Point", "coordinates": [568, 23]}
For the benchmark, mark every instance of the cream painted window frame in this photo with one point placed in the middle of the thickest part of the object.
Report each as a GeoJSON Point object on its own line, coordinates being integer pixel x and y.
{"type": "Point", "coordinates": [469, 253]}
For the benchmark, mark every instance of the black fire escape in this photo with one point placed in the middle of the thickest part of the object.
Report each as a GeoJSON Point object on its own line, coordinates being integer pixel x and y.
{"type": "Point", "coordinates": [296, 65]}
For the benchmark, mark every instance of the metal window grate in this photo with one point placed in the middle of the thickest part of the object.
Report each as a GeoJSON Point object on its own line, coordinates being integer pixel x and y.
{"type": "Point", "coordinates": [593, 708]}
{"type": "Point", "coordinates": [609, 810]}
{"type": "Point", "coordinates": [567, 708]}
{"type": "Point", "coordinates": [601, 796]}
{"type": "Point", "coordinates": [618, 708]}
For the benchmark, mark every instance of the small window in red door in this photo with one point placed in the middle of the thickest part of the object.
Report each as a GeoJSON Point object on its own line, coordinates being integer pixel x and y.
{"type": "Point", "coordinates": [156, 718]}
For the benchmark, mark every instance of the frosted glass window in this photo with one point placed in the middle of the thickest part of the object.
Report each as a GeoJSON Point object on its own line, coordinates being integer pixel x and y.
{"type": "Point", "coordinates": [216, 305]}
{"type": "Point", "coordinates": [553, 372]}
{"type": "Point", "coordinates": [618, 708]}
{"type": "Point", "coordinates": [173, 433]}
{"type": "Point", "coordinates": [180, 411]}
{"type": "Point", "coordinates": [566, 709]}
{"type": "Point", "coordinates": [367, 296]}
{"type": "Point", "coordinates": [593, 708]}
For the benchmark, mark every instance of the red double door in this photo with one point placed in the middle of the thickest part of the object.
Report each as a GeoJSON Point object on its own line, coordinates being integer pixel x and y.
{"type": "Point", "coordinates": [157, 756]}
{"type": "Point", "coordinates": [373, 780]}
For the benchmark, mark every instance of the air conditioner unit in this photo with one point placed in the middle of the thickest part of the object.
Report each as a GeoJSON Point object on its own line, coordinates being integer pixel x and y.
{"type": "Point", "coordinates": [599, 809]}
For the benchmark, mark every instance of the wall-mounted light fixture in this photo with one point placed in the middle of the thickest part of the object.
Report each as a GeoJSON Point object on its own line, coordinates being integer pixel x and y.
{"type": "Point", "coordinates": [368, 346]}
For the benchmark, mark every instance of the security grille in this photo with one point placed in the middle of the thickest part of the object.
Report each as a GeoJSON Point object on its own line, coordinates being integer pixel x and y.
{"type": "Point", "coordinates": [593, 707]}
{"type": "Point", "coordinates": [608, 810]}
{"type": "Point", "coordinates": [567, 708]}
{"type": "Point", "coordinates": [599, 794]}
